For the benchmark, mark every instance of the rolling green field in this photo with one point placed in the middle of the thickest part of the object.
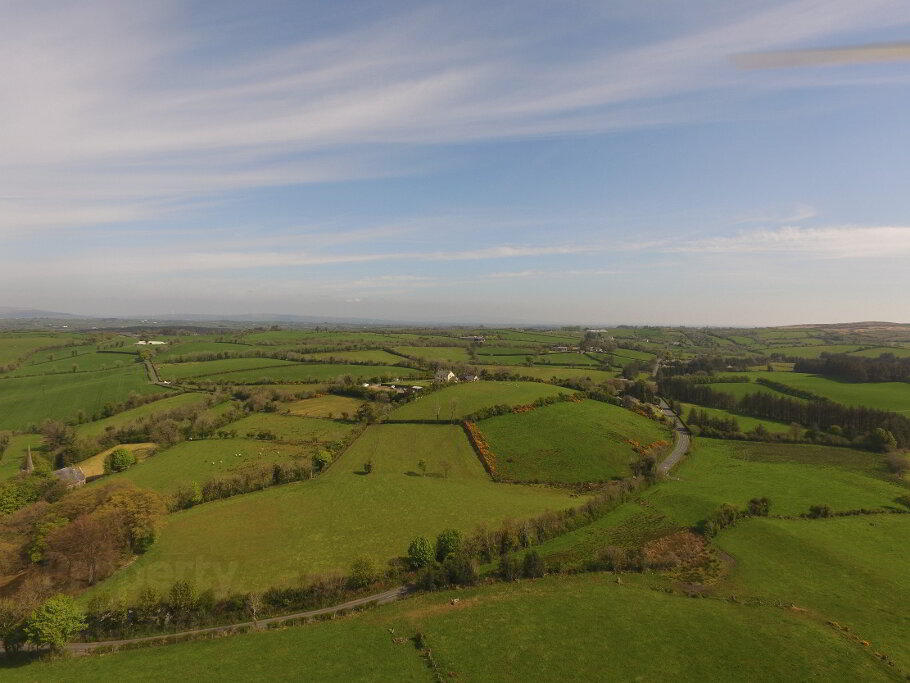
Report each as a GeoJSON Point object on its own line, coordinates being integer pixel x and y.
{"type": "Point", "coordinates": [720, 472]}
{"type": "Point", "coordinates": [811, 351]}
{"type": "Point", "coordinates": [199, 461]}
{"type": "Point", "coordinates": [506, 351]}
{"type": "Point", "coordinates": [632, 354]}
{"type": "Point", "coordinates": [197, 346]}
{"type": "Point", "coordinates": [376, 356]}
{"type": "Point", "coordinates": [569, 358]}
{"type": "Point", "coordinates": [899, 352]}
{"type": "Point", "coordinates": [164, 405]}
{"type": "Point", "coordinates": [568, 442]}
{"type": "Point", "coordinates": [740, 389]}
{"type": "Point", "coordinates": [178, 371]}
{"type": "Point", "coordinates": [746, 423]}
{"type": "Point", "coordinates": [14, 347]}
{"type": "Point", "coordinates": [457, 354]}
{"type": "Point", "coordinates": [548, 373]}
{"type": "Point", "coordinates": [467, 397]}
{"type": "Point", "coordinates": [313, 372]}
{"type": "Point", "coordinates": [83, 362]}
{"type": "Point", "coordinates": [894, 396]}
{"type": "Point", "coordinates": [852, 570]}
{"type": "Point", "coordinates": [577, 627]}
{"type": "Point", "coordinates": [330, 406]}
{"type": "Point", "coordinates": [26, 400]}
{"type": "Point", "coordinates": [291, 428]}
{"type": "Point", "coordinates": [273, 537]}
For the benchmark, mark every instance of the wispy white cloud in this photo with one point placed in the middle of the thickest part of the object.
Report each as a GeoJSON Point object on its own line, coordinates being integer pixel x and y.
{"type": "Point", "coordinates": [109, 115]}
{"type": "Point", "coordinates": [842, 242]}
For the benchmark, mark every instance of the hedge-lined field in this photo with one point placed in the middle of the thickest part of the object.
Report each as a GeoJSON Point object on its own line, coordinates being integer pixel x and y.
{"type": "Point", "coordinates": [273, 537]}
{"type": "Point", "coordinates": [330, 406]}
{"type": "Point", "coordinates": [583, 627]}
{"type": "Point", "coordinates": [465, 398]}
{"type": "Point", "coordinates": [27, 400]}
{"type": "Point", "coordinates": [720, 472]}
{"type": "Point", "coordinates": [894, 396]}
{"type": "Point", "coordinates": [165, 405]}
{"type": "Point", "coordinates": [313, 372]}
{"type": "Point", "coordinates": [291, 428]}
{"type": "Point", "coordinates": [569, 442]}
{"type": "Point", "coordinates": [198, 461]}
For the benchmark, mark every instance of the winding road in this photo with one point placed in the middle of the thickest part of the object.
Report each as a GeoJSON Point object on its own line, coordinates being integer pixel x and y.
{"type": "Point", "coordinates": [379, 599]}
{"type": "Point", "coordinates": [682, 440]}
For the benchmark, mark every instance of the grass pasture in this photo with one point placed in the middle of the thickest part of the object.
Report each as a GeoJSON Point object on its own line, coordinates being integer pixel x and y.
{"type": "Point", "coordinates": [465, 398]}
{"type": "Point", "coordinates": [201, 460]}
{"type": "Point", "coordinates": [898, 351]}
{"type": "Point", "coordinates": [27, 400]}
{"type": "Point", "coordinates": [179, 371]}
{"type": "Point", "coordinates": [290, 428]}
{"type": "Point", "coordinates": [14, 347]}
{"type": "Point", "coordinates": [811, 351]}
{"type": "Point", "coordinates": [851, 570]}
{"type": "Point", "coordinates": [565, 358]}
{"type": "Point", "coordinates": [451, 354]}
{"type": "Point", "coordinates": [164, 405]}
{"type": "Point", "coordinates": [894, 396]}
{"type": "Point", "coordinates": [746, 423]}
{"type": "Point", "coordinates": [330, 406]}
{"type": "Point", "coordinates": [558, 373]}
{"type": "Point", "coordinates": [568, 442]}
{"type": "Point", "coordinates": [733, 472]}
{"type": "Point", "coordinates": [582, 627]}
{"type": "Point", "coordinates": [375, 356]}
{"type": "Point", "coordinates": [312, 372]}
{"type": "Point", "coordinates": [84, 361]}
{"type": "Point", "coordinates": [273, 537]}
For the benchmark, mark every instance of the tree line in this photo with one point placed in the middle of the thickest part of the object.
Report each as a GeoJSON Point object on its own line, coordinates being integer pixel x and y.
{"type": "Point", "coordinates": [885, 368]}
{"type": "Point", "coordinates": [851, 425]}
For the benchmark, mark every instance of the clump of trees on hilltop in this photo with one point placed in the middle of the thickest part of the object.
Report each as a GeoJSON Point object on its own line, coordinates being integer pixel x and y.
{"type": "Point", "coordinates": [885, 368]}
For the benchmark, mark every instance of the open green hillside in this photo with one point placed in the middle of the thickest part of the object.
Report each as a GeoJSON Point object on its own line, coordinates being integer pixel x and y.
{"type": "Point", "coordinates": [568, 442]}
{"type": "Point", "coordinates": [198, 461]}
{"type": "Point", "coordinates": [465, 398]}
{"type": "Point", "coordinates": [27, 400]}
{"type": "Point", "coordinates": [559, 628]}
{"type": "Point", "coordinates": [164, 405]}
{"type": "Point", "coordinates": [554, 373]}
{"type": "Point", "coordinates": [894, 396]}
{"type": "Point", "coordinates": [851, 570]}
{"type": "Point", "coordinates": [291, 428]}
{"type": "Point", "coordinates": [273, 537]}
{"type": "Point", "coordinates": [312, 372]}
{"type": "Point", "coordinates": [720, 472]}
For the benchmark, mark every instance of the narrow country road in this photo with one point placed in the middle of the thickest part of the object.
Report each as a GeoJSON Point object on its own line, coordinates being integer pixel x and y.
{"type": "Point", "coordinates": [152, 372]}
{"type": "Point", "coordinates": [379, 598]}
{"type": "Point", "coordinates": [682, 440]}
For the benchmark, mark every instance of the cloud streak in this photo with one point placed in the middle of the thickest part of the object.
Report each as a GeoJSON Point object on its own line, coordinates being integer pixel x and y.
{"type": "Point", "coordinates": [843, 242]}
{"type": "Point", "coordinates": [104, 100]}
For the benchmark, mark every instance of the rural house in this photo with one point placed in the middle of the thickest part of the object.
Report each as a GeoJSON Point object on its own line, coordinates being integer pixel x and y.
{"type": "Point", "coordinates": [445, 376]}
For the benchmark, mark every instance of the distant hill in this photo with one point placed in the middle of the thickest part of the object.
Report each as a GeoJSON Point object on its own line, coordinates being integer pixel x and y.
{"type": "Point", "coordinates": [7, 312]}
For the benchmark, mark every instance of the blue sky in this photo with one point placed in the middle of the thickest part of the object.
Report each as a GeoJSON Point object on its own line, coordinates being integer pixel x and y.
{"type": "Point", "coordinates": [523, 162]}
